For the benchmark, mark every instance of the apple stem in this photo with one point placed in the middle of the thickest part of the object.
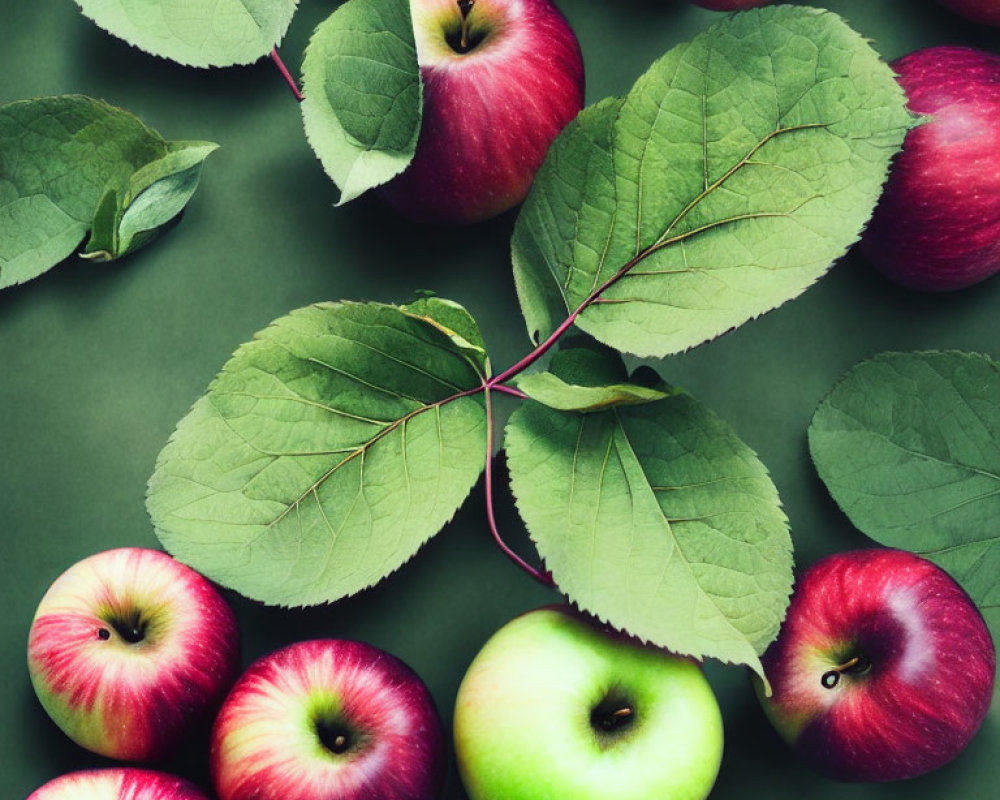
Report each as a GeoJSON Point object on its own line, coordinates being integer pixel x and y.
{"type": "Point", "coordinates": [856, 666]}
{"type": "Point", "coordinates": [543, 577]}
{"type": "Point", "coordinates": [464, 7]}
{"type": "Point", "coordinates": [286, 74]}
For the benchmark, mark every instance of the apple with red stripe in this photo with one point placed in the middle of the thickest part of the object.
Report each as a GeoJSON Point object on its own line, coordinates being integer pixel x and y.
{"type": "Point", "coordinates": [129, 649]}
{"type": "Point", "coordinates": [118, 783]}
{"type": "Point", "coordinates": [501, 79]}
{"type": "Point", "coordinates": [325, 719]}
{"type": "Point", "coordinates": [883, 668]}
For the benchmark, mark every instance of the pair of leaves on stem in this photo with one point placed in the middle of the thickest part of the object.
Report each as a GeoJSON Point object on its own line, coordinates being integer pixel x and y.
{"type": "Point", "coordinates": [731, 176]}
{"type": "Point", "coordinates": [908, 445]}
{"type": "Point", "coordinates": [330, 448]}
{"type": "Point", "coordinates": [72, 164]}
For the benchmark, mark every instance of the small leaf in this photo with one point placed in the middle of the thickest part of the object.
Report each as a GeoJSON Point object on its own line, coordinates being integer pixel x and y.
{"type": "Point", "coordinates": [657, 519]}
{"type": "Point", "coordinates": [159, 192]}
{"type": "Point", "coordinates": [324, 455]}
{"type": "Point", "coordinates": [457, 324]}
{"type": "Point", "coordinates": [586, 379]}
{"type": "Point", "coordinates": [195, 33]}
{"type": "Point", "coordinates": [72, 164]}
{"type": "Point", "coordinates": [908, 445]}
{"type": "Point", "coordinates": [737, 169]}
{"type": "Point", "coordinates": [362, 89]}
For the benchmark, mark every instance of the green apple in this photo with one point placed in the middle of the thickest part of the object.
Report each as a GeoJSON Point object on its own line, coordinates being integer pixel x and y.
{"type": "Point", "coordinates": [558, 706]}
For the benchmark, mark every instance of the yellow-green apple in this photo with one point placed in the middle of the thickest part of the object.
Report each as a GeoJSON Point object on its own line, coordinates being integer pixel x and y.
{"type": "Point", "coordinates": [937, 224]}
{"type": "Point", "coordinates": [883, 668]}
{"type": "Point", "coordinates": [118, 783]}
{"type": "Point", "coordinates": [129, 649]}
{"type": "Point", "coordinates": [328, 718]}
{"type": "Point", "coordinates": [501, 78]}
{"type": "Point", "coordinates": [986, 11]}
{"type": "Point", "coordinates": [730, 5]}
{"type": "Point", "coordinates": [556, 705]}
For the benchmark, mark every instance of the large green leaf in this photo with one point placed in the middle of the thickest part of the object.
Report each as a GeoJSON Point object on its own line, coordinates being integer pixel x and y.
{"type": "Point", "coordinates": [193, 32]}
{"type": "Point", "coordinates": [658, 519]}
{"type": "Point", "coordinates": [325, 453]}
{"type": "Point", "coordinates": [909, 446]}
{"type": "Point", "coordinates": [72, 164]}
{"type": "Point", "coordinates": [362, 89]}
{"type": "Point", "coordinates": [737, 169]}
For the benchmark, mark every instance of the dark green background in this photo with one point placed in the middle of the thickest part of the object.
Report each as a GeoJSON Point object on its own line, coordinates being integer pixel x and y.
{"type": "Point", "coordinates": [99, 362]}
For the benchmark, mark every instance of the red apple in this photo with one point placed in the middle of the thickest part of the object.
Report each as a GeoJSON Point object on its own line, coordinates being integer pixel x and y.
{"type": "Point", "coordinates": [328, 719]}
{"type": "Point", "coordinates": [883, 668]}
{"type": "Point", "coordinates": [117, 783]}
{"type": "Point", "coordinates": [495, 97]}
{"type": "Point", "coordinates": [730, 5]}
{"type": "Point", "coordinates": [937, 224]}
{"type": "Point", "coordinates": [129, 649]}
{"type": "Point", "coordinates": [986, 11]}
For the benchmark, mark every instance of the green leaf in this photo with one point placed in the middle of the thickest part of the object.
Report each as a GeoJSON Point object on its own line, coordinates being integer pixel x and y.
{"type": "Point", "coordinates": [326, 452]}
{"type": "Point", "coordinates": [737, 169]}
{"type": "Point", "coordinates": [657, 519]}
{"type": "Point", "coordinates": [586, 379]}
{"type": "Point", "coordinates": [573, 194]}
{"type": "Point", "coordinates": [195, 33]}
{"type": "Point", "coordinates": [457, 324]}
{"type": "Point", "coordinates": [72, 164]}
{"type": "Point", "coordinates": [363, 95]}
{"type": "Point", "coordinates": [159, 192]}
{"type": "Point", "coordinates": [908, 445]}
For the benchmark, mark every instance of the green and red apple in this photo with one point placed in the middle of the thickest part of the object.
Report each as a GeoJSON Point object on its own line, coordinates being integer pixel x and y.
{"type": "Point", "coordinates": [129, 649]}
{"type": "Point", "coordinates": [556, 705]}
{"type": "Point", "coordinates": [118, 783]}
{"type": "Point", "coordinates": [883, 668]}
{"type": "Point", "coordinates": [328, 719]}
{"type": "Point", "coordinates": [501, 79]}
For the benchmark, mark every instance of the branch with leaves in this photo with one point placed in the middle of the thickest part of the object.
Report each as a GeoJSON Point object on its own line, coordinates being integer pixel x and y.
{"type": "Point", "coordinates": [330, 448]}
{"type": "Point", "coordinates": [730, 178]}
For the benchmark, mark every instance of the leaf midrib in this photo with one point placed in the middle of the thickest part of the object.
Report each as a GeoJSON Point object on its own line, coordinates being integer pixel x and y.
{"type": "Point", "coordinates": [363, 448]}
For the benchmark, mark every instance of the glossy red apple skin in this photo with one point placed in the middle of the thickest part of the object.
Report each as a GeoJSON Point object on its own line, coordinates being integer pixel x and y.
{"type": "Point", "coordinates": [731, 5]}
{"type": "Point", "coordinates": [930, 680]}
{"type": "Point", "coordinates": [266, 743]}
{"type": "Point", "coordinates": [937, 224]}
{"type": "Point", "coordinates": [118, 783]}
{"type": "Point", "coordinates": [489, 115]}
{"type": "Point", "coordinates": [133, 701]}
{"type": "Point", "coordinates": [985, 11]}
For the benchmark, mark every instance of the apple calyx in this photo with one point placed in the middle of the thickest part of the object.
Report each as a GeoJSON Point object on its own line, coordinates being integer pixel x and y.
{"type": "Point", "coordinates": [612, 717]}
{"type": "Point", "coordinates": [335, 736]}
{"type": "Point", "coordinates": [131, 628]}
{"type": "Point", "coordinates": [858, 665]}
